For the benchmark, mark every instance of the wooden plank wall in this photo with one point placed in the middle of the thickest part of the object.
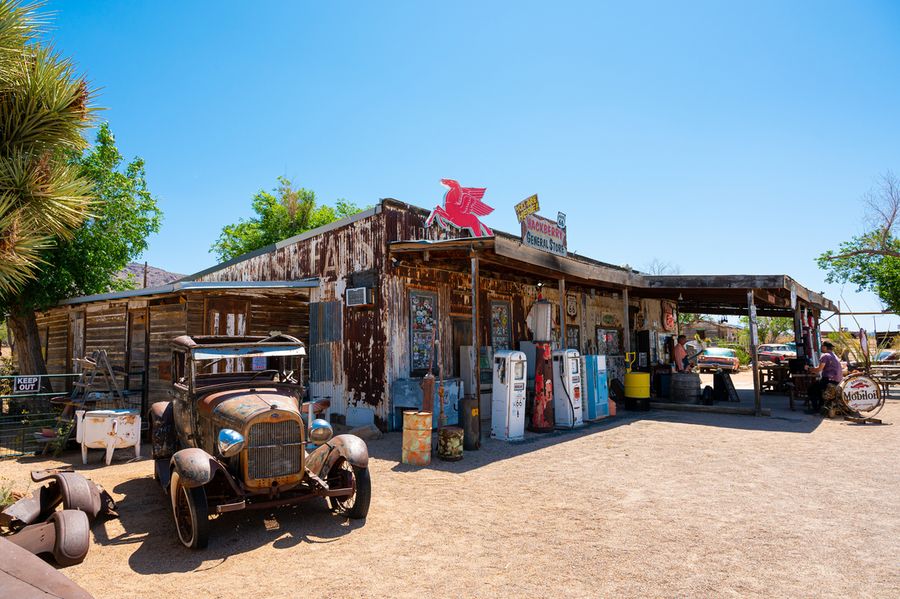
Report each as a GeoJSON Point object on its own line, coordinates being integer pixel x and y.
{"type": "Point", "coordinates": [105, 328]}
{"type": "Point", "coordinates": [55, 323]}
{"type": "Point", "coordinates": [167, 321]}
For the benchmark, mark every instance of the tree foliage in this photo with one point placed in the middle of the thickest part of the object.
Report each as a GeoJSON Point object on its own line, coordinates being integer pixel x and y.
{"type": "Point", "coordinates": [770, 328]}
{"type": "Point", "coordinates": [283, 213]}
{"type": "Point", "coordinates": [44, 108]}
{"type": "Point", "coordinates": [123, 215]}
{"type": "Point", "coordinates": [871, 261]}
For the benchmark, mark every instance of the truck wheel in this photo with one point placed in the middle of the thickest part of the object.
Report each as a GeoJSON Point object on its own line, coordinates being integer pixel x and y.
{"type": "Point", "coordinates": [191, 514]}
{"type": "Point", "coordinates": [355, 506]}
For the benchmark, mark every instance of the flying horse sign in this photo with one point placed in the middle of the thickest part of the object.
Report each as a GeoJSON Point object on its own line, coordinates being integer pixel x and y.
{"type": "Point", "coordinates": [462, 207]}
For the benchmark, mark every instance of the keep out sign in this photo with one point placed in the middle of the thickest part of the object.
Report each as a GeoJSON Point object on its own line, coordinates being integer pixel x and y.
{"type": "Point", "coordinates": [26, 384]}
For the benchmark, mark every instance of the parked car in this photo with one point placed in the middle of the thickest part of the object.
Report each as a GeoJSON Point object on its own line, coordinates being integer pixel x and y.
{"type": "Point", "coordinates": [718, 357]}
{"type": "Point", "coordinates": [233, 436]}
{"type": "Point", "coordinates": [887, 356]}
{"type": "Point", "coordinates": [775, 352]}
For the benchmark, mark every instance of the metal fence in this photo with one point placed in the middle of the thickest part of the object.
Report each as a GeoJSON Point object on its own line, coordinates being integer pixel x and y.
{"type": "Point", "coordinates": [29, 412]}
{"type": "Point", "coordinates": [31, 405]}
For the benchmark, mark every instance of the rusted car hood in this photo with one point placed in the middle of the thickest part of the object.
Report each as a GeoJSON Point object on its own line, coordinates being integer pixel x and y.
{"type": "Point", "coordinates": [238, 406]}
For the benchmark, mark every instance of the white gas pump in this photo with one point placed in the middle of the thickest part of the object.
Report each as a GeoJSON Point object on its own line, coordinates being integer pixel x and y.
{"type": "Point", "coordinates": [508, 399]}
{"type": "Point", "coordinates": [567, 388]}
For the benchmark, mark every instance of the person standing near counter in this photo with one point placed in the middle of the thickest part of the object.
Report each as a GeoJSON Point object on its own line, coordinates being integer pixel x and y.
{"type": "Point", "coordinates": [830, 367]}
{"type": "Point", "coordinates": [679, 355]}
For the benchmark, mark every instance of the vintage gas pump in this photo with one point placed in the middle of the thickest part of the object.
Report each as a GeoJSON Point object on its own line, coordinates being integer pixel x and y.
{"type": "Point", "coordinates": [596, 389]}
{"type": "Point", "coordinates": [508, 399]}
{"type": "Point", "coordinates": [540, 323]}
{"type": "Point", "coordinates": [567, 388]}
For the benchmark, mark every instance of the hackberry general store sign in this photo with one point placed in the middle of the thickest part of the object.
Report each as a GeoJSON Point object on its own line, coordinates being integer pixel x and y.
{"type": "Point", "coordinates": [543, 234]}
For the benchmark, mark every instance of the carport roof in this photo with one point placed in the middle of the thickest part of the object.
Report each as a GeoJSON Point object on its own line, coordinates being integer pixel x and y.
{"type": "Point", "coordinates": [701, 294]}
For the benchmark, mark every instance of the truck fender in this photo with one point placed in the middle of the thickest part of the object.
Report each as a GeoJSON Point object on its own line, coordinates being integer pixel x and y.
{"type": "Point", "coordinates": [162, 429]}
{"type": "Point", "coordinates": [195, 467]}
{"type": "Point", "coordinates": [350, 447]}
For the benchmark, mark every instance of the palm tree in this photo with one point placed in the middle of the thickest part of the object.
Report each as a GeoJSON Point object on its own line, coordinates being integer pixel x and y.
{"type": "Point", "coordinates": [43, 111]}
{"type": "Point", "coordinates": [44, 108]}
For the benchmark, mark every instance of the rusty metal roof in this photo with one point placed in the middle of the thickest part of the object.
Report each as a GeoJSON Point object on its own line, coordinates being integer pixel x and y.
{"type": "Point", "coordinates": [192, 286]}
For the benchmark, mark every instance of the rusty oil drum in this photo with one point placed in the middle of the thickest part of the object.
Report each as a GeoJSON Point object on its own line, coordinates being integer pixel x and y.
{"type": "Point", "coordinates": [416, 449]}
{"type": "Point", "coordinates": [450, 443]}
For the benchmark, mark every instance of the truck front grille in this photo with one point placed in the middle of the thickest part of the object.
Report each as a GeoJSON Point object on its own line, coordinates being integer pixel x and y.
{"type": "Point", "coordinates": [274, 449]}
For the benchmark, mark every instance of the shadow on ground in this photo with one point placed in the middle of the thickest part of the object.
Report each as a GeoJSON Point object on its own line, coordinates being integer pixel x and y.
{"type": "Point", "coordinates": [146, 517]}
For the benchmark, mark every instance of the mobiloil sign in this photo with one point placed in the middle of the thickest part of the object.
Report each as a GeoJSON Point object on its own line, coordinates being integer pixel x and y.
{"type": "Point", "coordinates": [862, 393]}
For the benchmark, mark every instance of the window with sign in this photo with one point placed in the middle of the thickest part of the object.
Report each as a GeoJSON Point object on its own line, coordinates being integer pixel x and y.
{"type": "Point", "coordinates": [423, 315]}
{"type": "Point", "coordinates": [501, 326]}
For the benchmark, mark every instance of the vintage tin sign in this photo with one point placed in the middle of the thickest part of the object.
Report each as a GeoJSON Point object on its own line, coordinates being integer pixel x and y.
{"type": "Point", "coordinates": [543, 234]}
{"type": "Point", "coordinates": [527, 206]}
{"type": "Point", "coordinates": [861, 393]}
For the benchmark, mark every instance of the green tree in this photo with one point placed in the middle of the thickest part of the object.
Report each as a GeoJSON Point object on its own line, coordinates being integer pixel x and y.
{"type": "Point", "coordinates": [769, 327]}
{"type": "Point", "coordinates": [44, 108]}
{"type": "Point", "coordinates": [871, 261]}
{"type": "Point", "coordinates": [124, 214]}
{"type": "Point", "coordinates": [281, 214]}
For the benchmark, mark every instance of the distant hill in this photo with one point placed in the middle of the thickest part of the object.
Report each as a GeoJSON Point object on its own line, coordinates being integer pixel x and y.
{"type": "Point", "coordinates": [156, 277]}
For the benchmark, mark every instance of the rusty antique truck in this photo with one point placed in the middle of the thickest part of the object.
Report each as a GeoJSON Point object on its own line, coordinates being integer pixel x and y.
{"type": "Point", "coordinates": [233, 435]}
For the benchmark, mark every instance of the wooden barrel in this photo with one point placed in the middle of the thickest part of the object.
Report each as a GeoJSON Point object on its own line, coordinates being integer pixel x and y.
{"type": "Point", "coordinates": [450, 443]}
{"type": "Point", "coordinates": [685, 388]}
{"type": "Point", "coordinates": [416, 448]}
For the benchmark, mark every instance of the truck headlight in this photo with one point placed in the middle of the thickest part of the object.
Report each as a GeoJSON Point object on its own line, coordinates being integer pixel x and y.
{"type": "Point", "coordinates": [320, 431]}
{"type": "Point", "coordinates": [230, 442]}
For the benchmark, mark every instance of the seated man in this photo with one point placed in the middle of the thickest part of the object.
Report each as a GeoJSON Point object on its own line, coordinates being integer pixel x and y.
{"type": "Point", "coordinates": [832, 373]}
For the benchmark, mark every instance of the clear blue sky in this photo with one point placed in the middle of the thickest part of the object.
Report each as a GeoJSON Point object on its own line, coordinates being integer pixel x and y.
{"type": "Point", "coordinates": [722, 137]}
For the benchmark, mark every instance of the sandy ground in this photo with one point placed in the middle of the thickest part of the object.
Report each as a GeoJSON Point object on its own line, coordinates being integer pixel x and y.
{"type": "Point", "coordinates": [655, 504]}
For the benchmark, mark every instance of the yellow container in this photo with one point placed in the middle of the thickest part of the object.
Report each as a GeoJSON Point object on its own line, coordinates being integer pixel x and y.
{"type": "Point", "coordinates": [637, 385]}
{"type": "Point", "coordinates": [416, 448]}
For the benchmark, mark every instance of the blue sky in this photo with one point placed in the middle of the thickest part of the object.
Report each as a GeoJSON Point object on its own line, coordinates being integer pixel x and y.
{"type": "Point", "coordinates": [721, 137]}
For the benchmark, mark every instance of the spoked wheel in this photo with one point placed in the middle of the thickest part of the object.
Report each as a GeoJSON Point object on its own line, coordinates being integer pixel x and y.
{"type": "Point", "coordinates": [191, 513]}
{"type": "Point", "coordinates": [343, 475]}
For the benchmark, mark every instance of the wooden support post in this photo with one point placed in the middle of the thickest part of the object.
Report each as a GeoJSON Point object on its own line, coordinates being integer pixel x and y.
{"type": "Point", "coordinates": [754, 333]}
{"type": "Point", "coordinates": [626, 325]}
{"type": "Point", "coordinates": [476, 374]}
{"type": "Point", "coordinates": [562, 314]}
{"type": "Point", "coordinates": [798, 332]}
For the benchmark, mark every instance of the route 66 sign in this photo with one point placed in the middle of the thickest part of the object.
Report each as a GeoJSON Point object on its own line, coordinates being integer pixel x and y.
{"type": "Point", "coordinates": [571, 306]}
{"type": "Point", "coordinates": [561, 220]}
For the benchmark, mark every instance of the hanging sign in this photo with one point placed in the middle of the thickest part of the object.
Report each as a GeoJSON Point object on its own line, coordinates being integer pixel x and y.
{"type": "Point", "coordinates": [527, 206]}
{"type": "Point", "coordinates": [461, 209]}
{"type": "Point", "coordinates": [543, 234]}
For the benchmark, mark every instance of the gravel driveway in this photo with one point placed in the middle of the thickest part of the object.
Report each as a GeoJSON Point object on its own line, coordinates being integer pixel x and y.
{"type": "Point", "coordinates": [657, 504]}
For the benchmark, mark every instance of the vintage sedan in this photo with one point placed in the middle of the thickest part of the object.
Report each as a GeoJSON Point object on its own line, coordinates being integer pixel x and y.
{"type": "Point", "coordinates": [718, 357]}
{"type": "Point", "coordinates": [233, 435]}
{"type": "Point", "coordinates": [775, 352]}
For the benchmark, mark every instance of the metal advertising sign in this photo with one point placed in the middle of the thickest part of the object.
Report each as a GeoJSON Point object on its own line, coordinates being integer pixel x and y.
{"type": "Point", "coordinates": [861, 393]}
{"type": "Point", "coordinates": [527, 206]}
{"type": "Point", "coordinates": [543, 234]}
{"type": "Point", "coordinates": [462, 207]}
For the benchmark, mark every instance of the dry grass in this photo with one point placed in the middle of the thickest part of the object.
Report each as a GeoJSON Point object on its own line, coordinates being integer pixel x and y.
{"type": "Point", "coordinates": [661, 504]}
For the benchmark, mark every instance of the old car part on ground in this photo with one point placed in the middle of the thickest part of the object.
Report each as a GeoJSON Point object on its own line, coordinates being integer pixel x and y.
{"type": "Point", "coordinates": [233, 436]}
{"type": "Point", "coordinates": [24, 575]}
{"type": "Point", "coordinates": [34, 524]}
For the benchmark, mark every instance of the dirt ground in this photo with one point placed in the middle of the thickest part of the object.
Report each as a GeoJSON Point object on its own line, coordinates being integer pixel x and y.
{"type": "Point", "coordinates": [654, 504]}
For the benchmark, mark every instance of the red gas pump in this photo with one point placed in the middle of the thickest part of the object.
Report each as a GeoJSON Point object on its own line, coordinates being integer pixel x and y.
{"type": "Point", "coordinates": [542, 419]}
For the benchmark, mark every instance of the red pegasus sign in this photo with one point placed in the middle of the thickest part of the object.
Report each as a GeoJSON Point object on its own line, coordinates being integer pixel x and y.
{"type": "Point", "coordinates": [462, 207]}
